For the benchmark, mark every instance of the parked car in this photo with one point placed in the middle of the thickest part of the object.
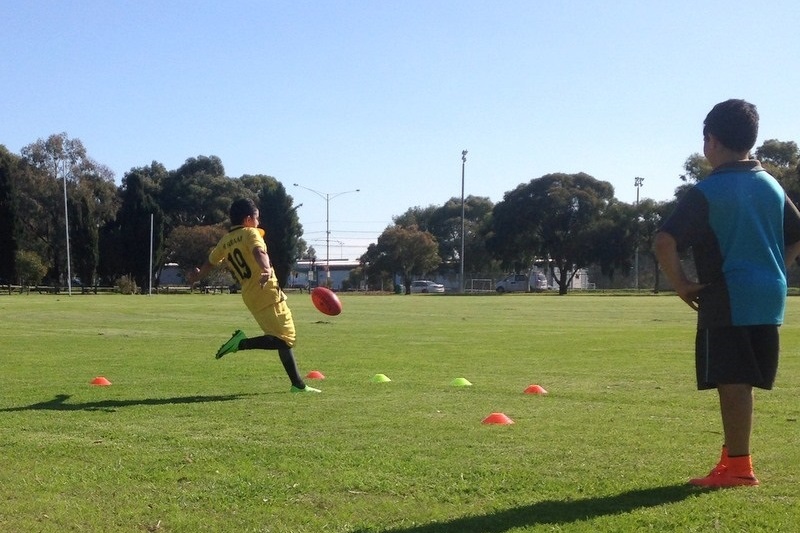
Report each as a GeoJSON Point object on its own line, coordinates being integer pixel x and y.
{"type": "Point", "coordinates": [539, 283]}
{"type": "Point", "coordinates": [425, 286]}
{"type": "Point", "coordinates": [513, 283]}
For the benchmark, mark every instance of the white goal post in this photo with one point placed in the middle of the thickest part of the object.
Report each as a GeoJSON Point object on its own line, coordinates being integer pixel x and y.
{"type": "Point", "coordinates": [480, 285]}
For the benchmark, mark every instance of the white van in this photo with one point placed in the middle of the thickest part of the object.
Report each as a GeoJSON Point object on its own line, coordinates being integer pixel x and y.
{"type": "Point", "coordinates": [513, 283]}
{"type": "Point", "coordinates": [522, 283]}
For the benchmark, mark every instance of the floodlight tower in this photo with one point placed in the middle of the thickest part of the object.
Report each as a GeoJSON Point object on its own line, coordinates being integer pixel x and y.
{"type": "Point", "coordinates": [66, 229]}
{"type": "Point", "coordinates": [463, 163]}
{"type": "Point", "coordinates": [637, 181]}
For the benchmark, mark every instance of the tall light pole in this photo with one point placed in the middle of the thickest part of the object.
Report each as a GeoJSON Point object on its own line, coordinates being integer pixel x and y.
{"type": "Point", "coordinates": [637, 181]}
{"type": "Point", "coordinates": [463, 162]}
{"type": "Point", "coordinates": [66, 229]}
{"type": "Point", "coordinates": [327, 197]}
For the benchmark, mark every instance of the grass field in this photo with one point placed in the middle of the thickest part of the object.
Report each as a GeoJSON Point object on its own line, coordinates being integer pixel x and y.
{"type": "Point", "coordinates": [181, 442]}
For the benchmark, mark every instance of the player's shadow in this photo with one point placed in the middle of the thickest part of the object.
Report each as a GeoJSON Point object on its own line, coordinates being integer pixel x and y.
{"type": "Point", "coordinates": [59, 403]}
{"type": "Point", "coordinates": [554, 513]}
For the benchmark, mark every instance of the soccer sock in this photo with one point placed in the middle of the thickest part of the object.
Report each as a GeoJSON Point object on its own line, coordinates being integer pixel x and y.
{"type": "Point", "coordinates": [290, 365]}
{"type": "Point", "coordinates": [264, 342]}
{"type": "Point", "coordinates": [740, 465]}
{"type": "Point", "coordinates": [269, 342]}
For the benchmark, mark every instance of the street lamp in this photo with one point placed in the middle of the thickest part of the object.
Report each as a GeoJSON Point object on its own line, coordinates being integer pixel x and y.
{"type": "Point", "coordinates": [463, 162]}
{"type": "Point", "coordinates": [66, 229]}
{"type": "Point", "coordinates": [637, 181]}
{"type": "Point", "coordinates": [327, 197]}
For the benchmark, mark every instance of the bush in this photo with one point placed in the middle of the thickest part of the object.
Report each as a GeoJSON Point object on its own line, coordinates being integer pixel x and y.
{"type": "Point", "coordinates": [30, 267]}
{"type": "Point", "coordinates": [126, 285]}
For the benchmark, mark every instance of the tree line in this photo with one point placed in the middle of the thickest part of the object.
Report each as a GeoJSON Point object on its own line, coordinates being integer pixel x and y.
{"type": "Point", "coordinates": [171, 215]}
{"type": "Point", "coordinates": [562, 223]}
{"type": "Point", "coordinates": [56, 201]}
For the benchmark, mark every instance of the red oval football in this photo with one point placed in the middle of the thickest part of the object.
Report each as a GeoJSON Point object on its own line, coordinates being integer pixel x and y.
{"type": "Point", "coordinates": [326, 301]}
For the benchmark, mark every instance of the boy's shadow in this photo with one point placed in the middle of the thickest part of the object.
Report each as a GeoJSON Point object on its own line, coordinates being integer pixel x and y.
{"type": "Point", "coordinates": [554, 513]}
{"type": "Point", "coordinates": [59, 403]}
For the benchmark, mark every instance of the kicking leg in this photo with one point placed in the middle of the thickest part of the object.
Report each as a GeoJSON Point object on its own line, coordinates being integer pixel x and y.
{"type": "Point", "coordinates": [285, 353]}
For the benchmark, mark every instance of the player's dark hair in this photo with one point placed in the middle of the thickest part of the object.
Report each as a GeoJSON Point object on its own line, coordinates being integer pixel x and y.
{"type": "Point", "coordinates": [734, 123]}
{"type": "Point", "coordinates": [241, 209]}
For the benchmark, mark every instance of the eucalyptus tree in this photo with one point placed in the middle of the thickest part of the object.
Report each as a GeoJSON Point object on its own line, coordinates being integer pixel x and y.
{"type": "Point", "coordinates": [553, 220]}
{"type": "Point", "coordinates": [137, 232]}
{"type": "Point", "coordinates": [68, 175]}
{"type": "Point", "coordinates": [95, 204]}
{"type": "Point", "coordinates": [403, 251]}
{"type": "Point", "coordinates": [445, 224]}
{"type": "Point", "coordinates": [782, 160]}
{"type": "Point", "coordinates": [9, 224]}
{"type": "Point", "coordinates": [197, 193]}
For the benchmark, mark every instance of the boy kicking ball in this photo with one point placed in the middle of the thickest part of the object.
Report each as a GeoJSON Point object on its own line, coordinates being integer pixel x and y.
{"type": "Point", "coordinates": [245, 251]}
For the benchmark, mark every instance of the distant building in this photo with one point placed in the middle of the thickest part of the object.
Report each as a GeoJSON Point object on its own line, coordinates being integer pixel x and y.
{"type": "Point", "coordinates": [303, 274]}
{"type": "Point", "coordinates": [579, 281]}
{"type": "Point", "coordinates": [313, 273]}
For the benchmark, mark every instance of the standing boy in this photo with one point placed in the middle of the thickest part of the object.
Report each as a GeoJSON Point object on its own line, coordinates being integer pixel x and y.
{"type": "Point", "coordinates": [744, 232]}
{"type": "Point", "coordinates": [245, 251]}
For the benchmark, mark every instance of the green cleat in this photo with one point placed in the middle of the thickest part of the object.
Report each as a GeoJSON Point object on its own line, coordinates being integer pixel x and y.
{"type": "Point", "coordinates": [232, 345]}
{"type": "Point", "coordinates": [306, 389]}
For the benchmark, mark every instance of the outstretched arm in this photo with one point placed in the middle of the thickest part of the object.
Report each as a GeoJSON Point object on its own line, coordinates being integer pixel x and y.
{"type": "Point", "coordinates": [666, 250]}
{"type": "Point", "coordinates": [197, 274]}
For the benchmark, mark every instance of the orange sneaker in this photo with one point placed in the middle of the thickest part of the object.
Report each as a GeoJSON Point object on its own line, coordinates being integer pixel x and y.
{"type": "Point", "coordinates": [722, 477]}
{"type": "Point", "coordinates": [718, 470]}
{"type": "Point", "coordinates": [722, 464]}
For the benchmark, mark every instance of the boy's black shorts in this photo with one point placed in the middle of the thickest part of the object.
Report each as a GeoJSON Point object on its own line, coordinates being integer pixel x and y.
{"type": "Point", "coordinates": [737, 355]}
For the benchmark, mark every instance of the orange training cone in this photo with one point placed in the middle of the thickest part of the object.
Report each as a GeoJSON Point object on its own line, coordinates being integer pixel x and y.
{"type": "Point", "coordinates": [535, 389]}
{"type": "Point", "coordinates": [497, 418]}
{"type": "Point", "coordinates": [100, 380]}
{"type": "Point", "coordinates": [315, 374]}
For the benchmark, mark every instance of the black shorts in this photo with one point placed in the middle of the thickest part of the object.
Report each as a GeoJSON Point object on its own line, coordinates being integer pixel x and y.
{"type": "Point", "coordinates": [737, 355]}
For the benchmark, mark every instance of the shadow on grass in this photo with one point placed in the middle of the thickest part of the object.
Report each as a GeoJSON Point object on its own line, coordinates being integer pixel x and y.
{"type": "Point", "coordinates": [554, 512]}
{"type": "Point", "coordinates": [59, 403]}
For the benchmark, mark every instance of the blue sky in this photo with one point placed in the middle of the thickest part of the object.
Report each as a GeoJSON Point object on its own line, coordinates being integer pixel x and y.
{"type": "Point", "coordinates": [383, 96]}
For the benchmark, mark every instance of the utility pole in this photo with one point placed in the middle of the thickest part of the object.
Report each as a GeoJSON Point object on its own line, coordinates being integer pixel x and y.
{"type": "Point", "coordinates": [638, 184]}
{"type": "Point", "coordinates": [463, 226]}
{"type": "Point", "coordinates": [327, 197]}
{"type": "Point", "coordinates": [66, 229]}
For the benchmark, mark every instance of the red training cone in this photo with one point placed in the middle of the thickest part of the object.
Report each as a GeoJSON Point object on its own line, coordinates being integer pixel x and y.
{"type": "Point", "coordinates": [100, 380]}
{"type": "Point", "coordinates": [535, 389]}
{"type": "Point", "coordinates": [315, 374]}
{"type": "Point", "coordinates": [497, 418]}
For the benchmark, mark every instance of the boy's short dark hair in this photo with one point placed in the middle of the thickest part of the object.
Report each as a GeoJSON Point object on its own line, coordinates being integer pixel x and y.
{"type": "Point", "coordinates": [734, 123]}
{"type": "Point", "coordinates": [241, 209]}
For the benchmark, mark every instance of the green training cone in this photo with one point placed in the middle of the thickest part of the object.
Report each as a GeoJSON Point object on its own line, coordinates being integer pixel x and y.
{"type": "Point", "coordinates": [460, 382]}
{"type": "Point", "coordinates": [380, 378]}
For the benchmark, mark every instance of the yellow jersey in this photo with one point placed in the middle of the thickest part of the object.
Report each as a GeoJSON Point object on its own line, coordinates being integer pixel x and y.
{"type": "Point", "coordinates": [236, 247]}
